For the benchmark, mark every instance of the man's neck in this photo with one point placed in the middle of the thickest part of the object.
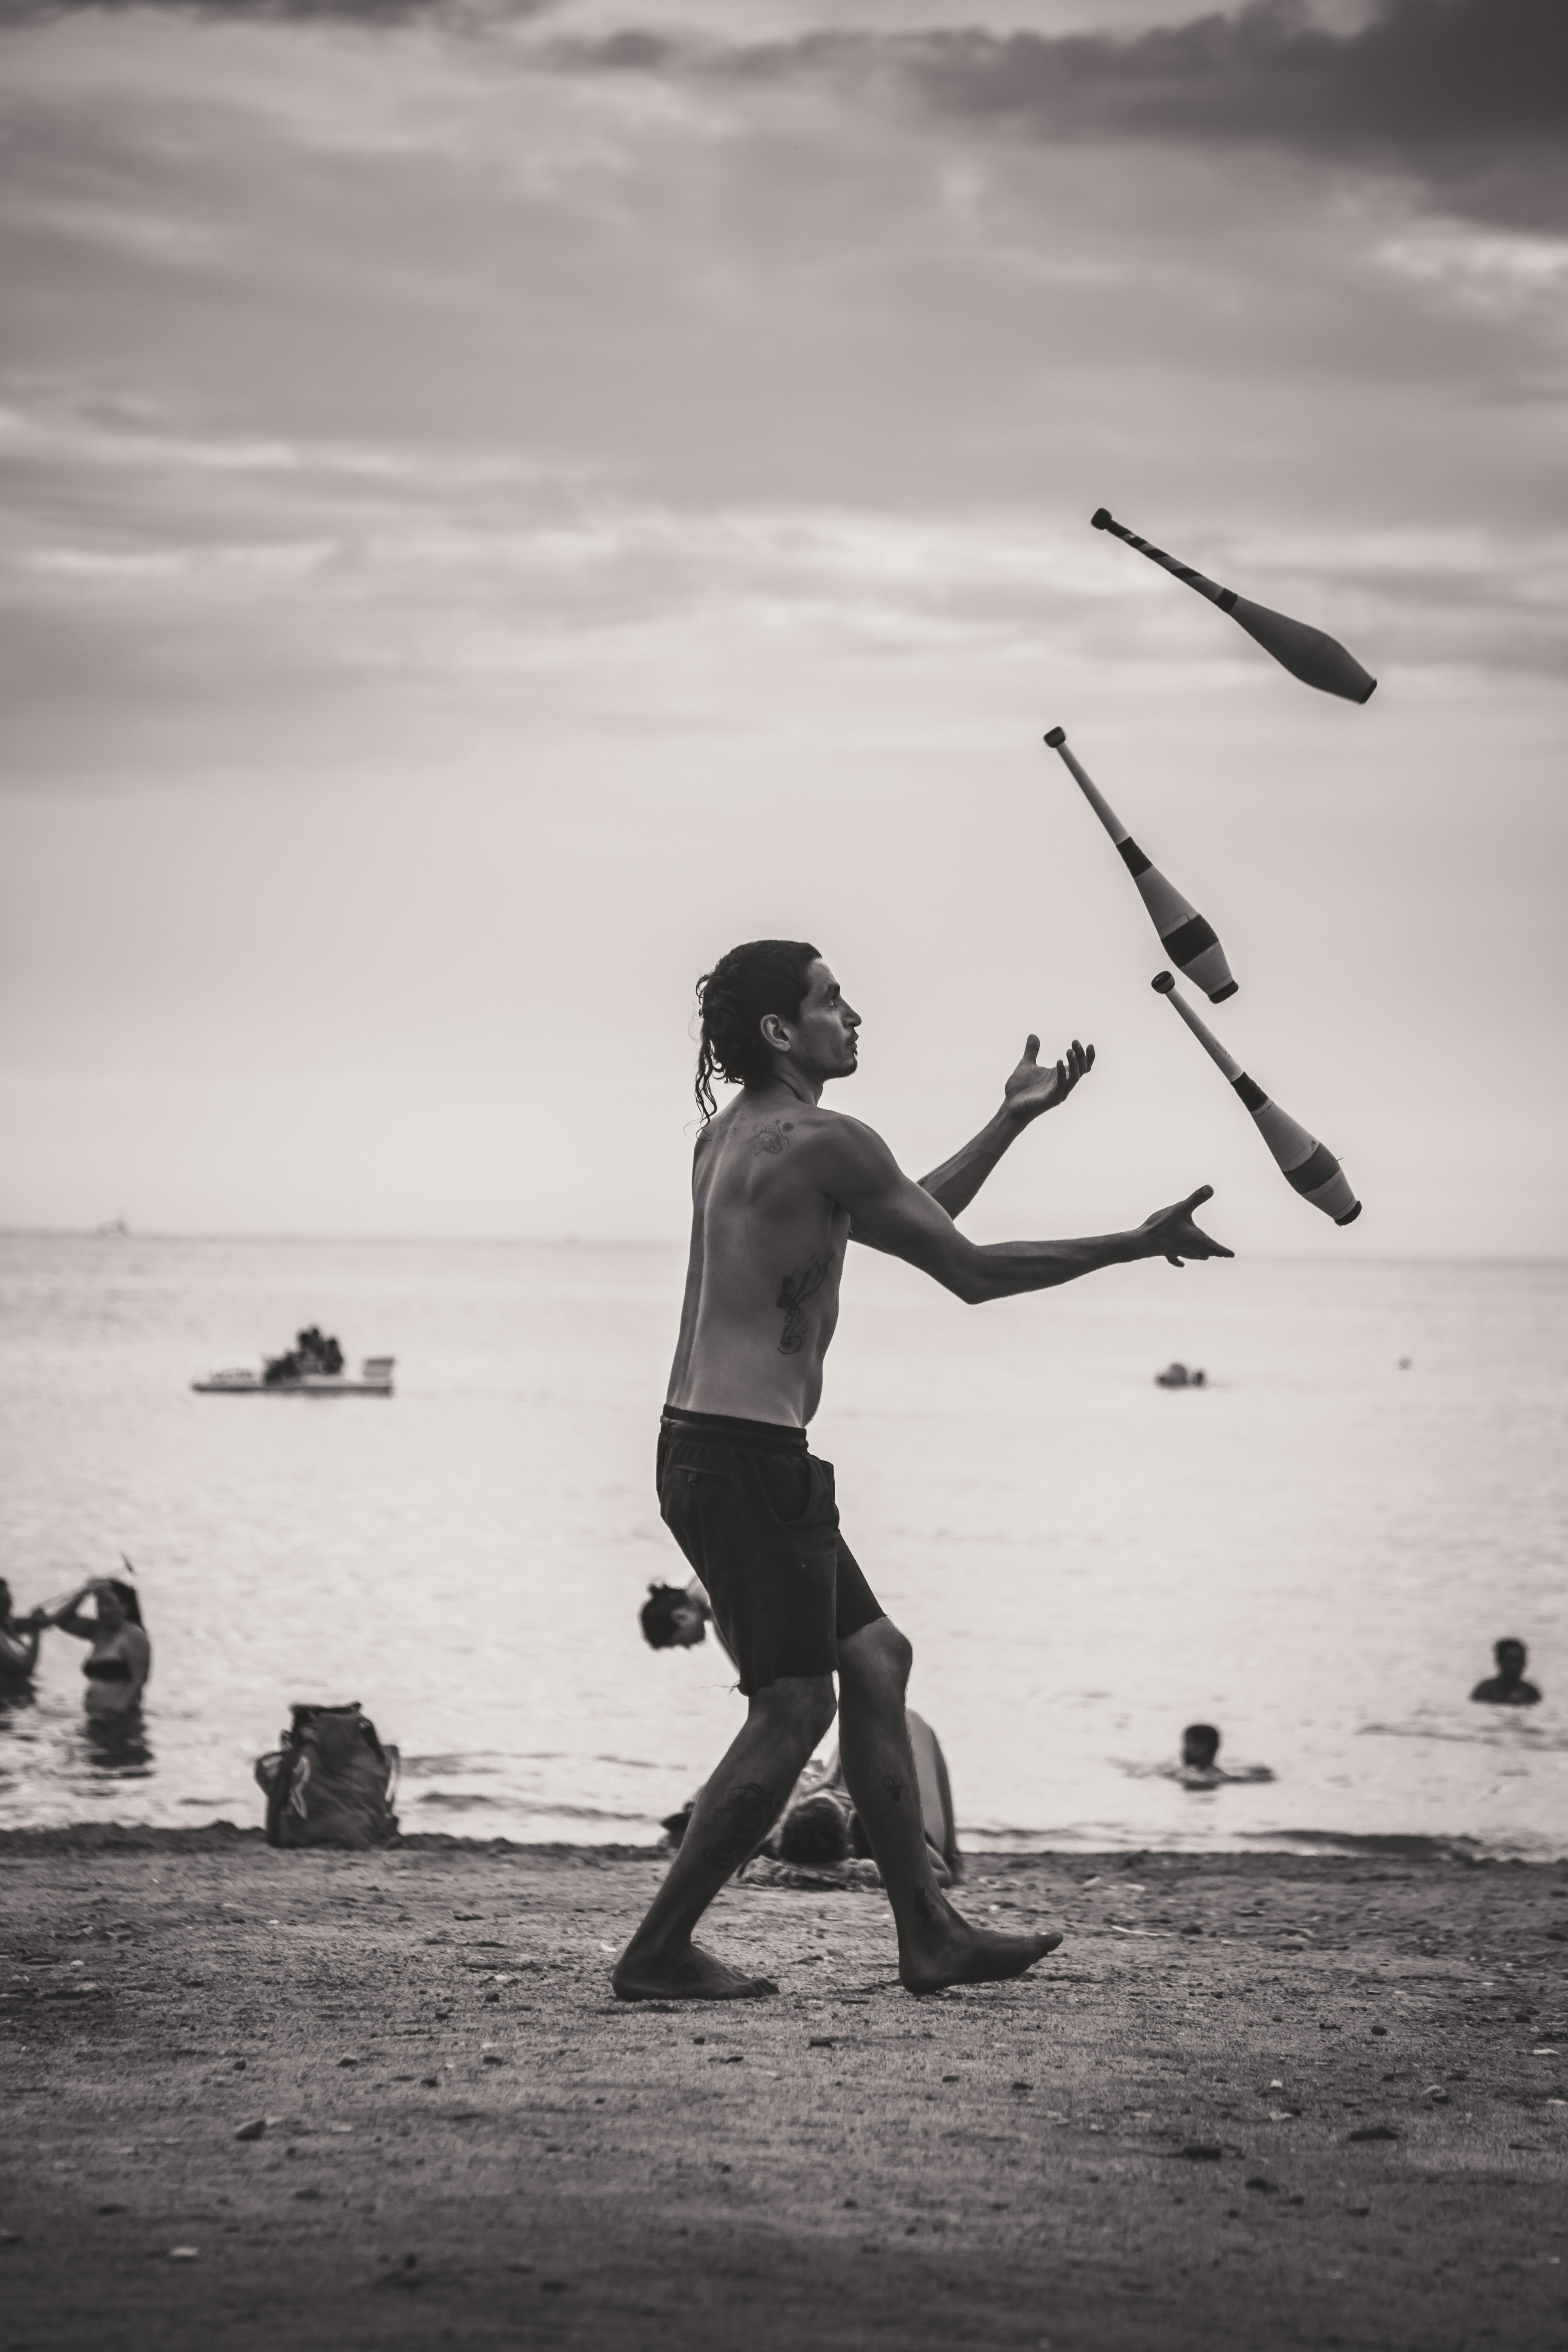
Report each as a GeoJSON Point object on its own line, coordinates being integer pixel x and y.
{"type": "Point", "coordinates": [792, 1085]}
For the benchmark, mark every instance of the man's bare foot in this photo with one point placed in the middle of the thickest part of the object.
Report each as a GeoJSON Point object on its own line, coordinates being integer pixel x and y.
{"type": "Point", "coordinates": [690, 1975]}
{"type": "Point", "coordinates": [972, 1956]}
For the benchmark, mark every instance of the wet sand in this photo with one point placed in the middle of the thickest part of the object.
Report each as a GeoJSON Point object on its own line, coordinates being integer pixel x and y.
{"type": "Point", "coordinates": [1252, 2101]}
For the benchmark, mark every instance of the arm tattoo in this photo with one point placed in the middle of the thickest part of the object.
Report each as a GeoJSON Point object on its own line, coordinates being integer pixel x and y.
{"type": "Point", "coordinates": [793, 1292]}
{"type": "Point", "coordinates": [741, 1819]}
{"type": "Point", "coordinates": [772, 1137]}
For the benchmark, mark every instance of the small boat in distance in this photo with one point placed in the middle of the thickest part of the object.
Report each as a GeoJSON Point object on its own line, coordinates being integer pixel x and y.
{"type": "Point", "coordinates": [313, 1366]}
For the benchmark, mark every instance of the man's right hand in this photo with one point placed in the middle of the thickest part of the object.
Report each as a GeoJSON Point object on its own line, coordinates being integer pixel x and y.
{"type": "Point", "coordinates": [1171, 1233]}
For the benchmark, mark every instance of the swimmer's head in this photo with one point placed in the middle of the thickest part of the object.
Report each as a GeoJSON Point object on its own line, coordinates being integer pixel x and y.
{"type": "Point", "coordinates": [117, 1602]}
{"type": "Point", "coordinates": [1200, 1745]}
{"type": "Point", "coordinates": [670, 1619]}
{"type": "Point", "coordinates": [1510, 1656]}
{"type": "Point", "coordinates": [815, 1833]}
{"type": "Point", "coordinates": [760, 978]}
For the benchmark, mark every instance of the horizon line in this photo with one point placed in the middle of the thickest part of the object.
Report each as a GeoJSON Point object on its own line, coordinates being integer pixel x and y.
{"type": "Point", "coordinates": [118, 1231]}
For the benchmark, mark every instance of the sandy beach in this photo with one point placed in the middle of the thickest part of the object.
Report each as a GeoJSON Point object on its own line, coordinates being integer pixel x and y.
{"type": "Point", "coordinates": [1251, 2102]}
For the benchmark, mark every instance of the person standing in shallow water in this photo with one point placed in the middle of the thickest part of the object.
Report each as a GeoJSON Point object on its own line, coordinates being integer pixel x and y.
{"type": "Point", "coordinates": [18, 1643]}
{"type": "Point", "coordinates": [120, 1659]}
{"type": "Point", "coordinates": [780, 1187]}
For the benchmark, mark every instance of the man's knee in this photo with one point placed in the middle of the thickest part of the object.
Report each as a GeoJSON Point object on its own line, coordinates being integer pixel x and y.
{"type": "Point", "coordinates": [879, 1656]}
{"type": "Point", "coordinates": [799, 1708]}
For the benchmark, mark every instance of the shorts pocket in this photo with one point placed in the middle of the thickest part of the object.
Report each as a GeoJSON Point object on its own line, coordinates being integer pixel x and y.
{"type": "Point", "coordinates": [797, 1490]}
{"type": "Point", "coordinates": [688, 1470]}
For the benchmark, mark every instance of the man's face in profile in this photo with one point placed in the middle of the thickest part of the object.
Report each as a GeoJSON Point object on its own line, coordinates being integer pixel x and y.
{"type": "Point", "coordinates": [823, 1031]}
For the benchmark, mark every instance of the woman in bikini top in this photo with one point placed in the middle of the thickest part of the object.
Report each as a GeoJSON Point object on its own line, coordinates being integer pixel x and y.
{"type": "Point", "coordinates": [122, 1656]}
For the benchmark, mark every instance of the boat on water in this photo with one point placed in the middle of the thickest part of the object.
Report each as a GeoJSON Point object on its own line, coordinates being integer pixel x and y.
{"type": "Point", "coordinates": [314, 1366]}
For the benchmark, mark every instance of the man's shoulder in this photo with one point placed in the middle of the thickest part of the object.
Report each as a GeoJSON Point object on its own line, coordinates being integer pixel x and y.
{"type": "Point", "coordinates": [838, 1130]}
{"type": "Point", "coordinates": [775, 1126]}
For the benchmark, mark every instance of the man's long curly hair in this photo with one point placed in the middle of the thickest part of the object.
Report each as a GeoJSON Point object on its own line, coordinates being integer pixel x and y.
{"type": "Point", "coordinates": [762, 976]}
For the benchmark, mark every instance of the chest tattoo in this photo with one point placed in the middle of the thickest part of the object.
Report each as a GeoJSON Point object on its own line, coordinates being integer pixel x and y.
{"type": "Point", "coordinates": [772, 1138]}
{"type": "Point", "coordinates": [793, 1292]}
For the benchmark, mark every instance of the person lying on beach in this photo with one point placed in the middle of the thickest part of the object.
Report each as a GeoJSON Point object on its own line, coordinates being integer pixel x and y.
{"type": "Point", "coordinates": [18, 1640]}
{"type": "Point", "coordinates": [820, 1829]}
{"type": "Point", "coordinates": [1199, 1768]}
{"type": "Point", "coordinates": [779, 1186]}
{"type": "Point", "coordinates": [1508, 1686]}
{"type": "Point", "coordinates": [120, 1659]}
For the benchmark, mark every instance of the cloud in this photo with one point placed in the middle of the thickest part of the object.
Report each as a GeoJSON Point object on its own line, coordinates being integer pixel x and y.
{"type": "Point", "coordinates": [1469, 96]}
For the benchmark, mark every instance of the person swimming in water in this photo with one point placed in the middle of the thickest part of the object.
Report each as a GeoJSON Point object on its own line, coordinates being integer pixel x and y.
{"type": "Point", "coordinates": [18, 1642]}
{"type": "Point", "coordinates": [120, 1659]}
{"type": "Point", "coordinates": [1508, 1686]}
{"type": "Point", "coordinates": [1200, 1768]}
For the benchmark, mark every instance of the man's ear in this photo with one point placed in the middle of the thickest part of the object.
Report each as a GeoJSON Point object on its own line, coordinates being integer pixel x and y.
{"type": "Point", "coordinates": [775, 1033]}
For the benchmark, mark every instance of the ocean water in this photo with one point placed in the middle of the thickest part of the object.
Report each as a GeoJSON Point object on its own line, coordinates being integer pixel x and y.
{"type": "Point", "coordinates": [1314, 1552]}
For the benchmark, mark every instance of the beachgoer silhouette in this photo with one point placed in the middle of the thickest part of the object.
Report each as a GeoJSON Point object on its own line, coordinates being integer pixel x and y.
{"type": "Point", "coordinates": [1508, 1686]}
{"type": "Point", "coordinates": [120, 1659]}
{"type": "Point", "coordinates": [754, 1511]}
{"type": "Point", "coordinates": [18, 1641]}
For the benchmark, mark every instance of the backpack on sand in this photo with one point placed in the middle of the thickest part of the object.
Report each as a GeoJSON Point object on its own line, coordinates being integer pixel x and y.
{"type": "Point", "coordinates": [332, 1783]}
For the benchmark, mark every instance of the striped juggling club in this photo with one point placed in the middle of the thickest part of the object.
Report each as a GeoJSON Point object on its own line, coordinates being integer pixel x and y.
{"type": "Point", "coordinates": [1186, 936]}
{"type": "Point", "coordinates": [1307, 1165]}
{"type": "Point", "coordinates": [1316, 659]}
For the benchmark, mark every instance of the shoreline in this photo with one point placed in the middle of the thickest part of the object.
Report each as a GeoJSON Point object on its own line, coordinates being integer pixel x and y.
{"type": "Point", "coordinates": [1254, 2099]}
{"type": "Point", "coordinates": [219, 1835]}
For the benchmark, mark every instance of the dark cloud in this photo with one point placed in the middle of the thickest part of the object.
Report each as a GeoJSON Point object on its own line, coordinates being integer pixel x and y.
{"type": "Point", "coordinates": [1469, 95]}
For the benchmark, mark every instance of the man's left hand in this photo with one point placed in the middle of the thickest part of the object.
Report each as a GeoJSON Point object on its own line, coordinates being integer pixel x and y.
{"type": "Point", "coordinates": [1031, 1090]}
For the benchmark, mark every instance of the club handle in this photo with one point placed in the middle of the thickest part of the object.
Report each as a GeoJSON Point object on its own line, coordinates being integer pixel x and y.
{"type": "Point", "coordinates": [1056, 740]}
{"type": "Point", "coordinates": [1164, 984]}
{"type": "Point", "coordinates": [1104, 519]}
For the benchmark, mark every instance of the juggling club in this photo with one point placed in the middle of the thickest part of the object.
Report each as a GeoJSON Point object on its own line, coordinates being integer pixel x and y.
{"type": "Point", "coordinates": [1186, 936]}
{"type": "Point", "coordinates": [1307, 1165]}
{"type": "Point", "coordinates": [1308, 654]}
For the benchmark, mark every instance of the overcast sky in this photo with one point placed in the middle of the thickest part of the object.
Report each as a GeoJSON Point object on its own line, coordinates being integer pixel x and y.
{"type": "Point", "coordinates": [505, 500]}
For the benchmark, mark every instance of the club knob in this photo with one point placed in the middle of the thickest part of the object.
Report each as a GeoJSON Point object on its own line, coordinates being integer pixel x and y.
{"type": "Point", "coordinates": [1165, 982]}
{"type": "Point", "coordinates": [1057, 738]}
{"type": "Point", "coordinates": [1100, 517]}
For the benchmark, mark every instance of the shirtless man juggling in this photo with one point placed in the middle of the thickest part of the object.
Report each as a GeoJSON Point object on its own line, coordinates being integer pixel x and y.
{"type": "Point", "coordinates": [780, 1188]}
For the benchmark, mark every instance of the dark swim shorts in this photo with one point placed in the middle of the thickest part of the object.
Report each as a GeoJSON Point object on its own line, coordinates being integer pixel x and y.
{"type": "Point", "coordinates": [754, 1513]}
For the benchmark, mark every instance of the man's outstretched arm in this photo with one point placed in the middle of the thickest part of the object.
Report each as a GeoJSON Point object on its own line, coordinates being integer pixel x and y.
{"type": "Point", "coordinates": [1028, 1092]}
{"type": "Point", "coordinates": [855, 1168]}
